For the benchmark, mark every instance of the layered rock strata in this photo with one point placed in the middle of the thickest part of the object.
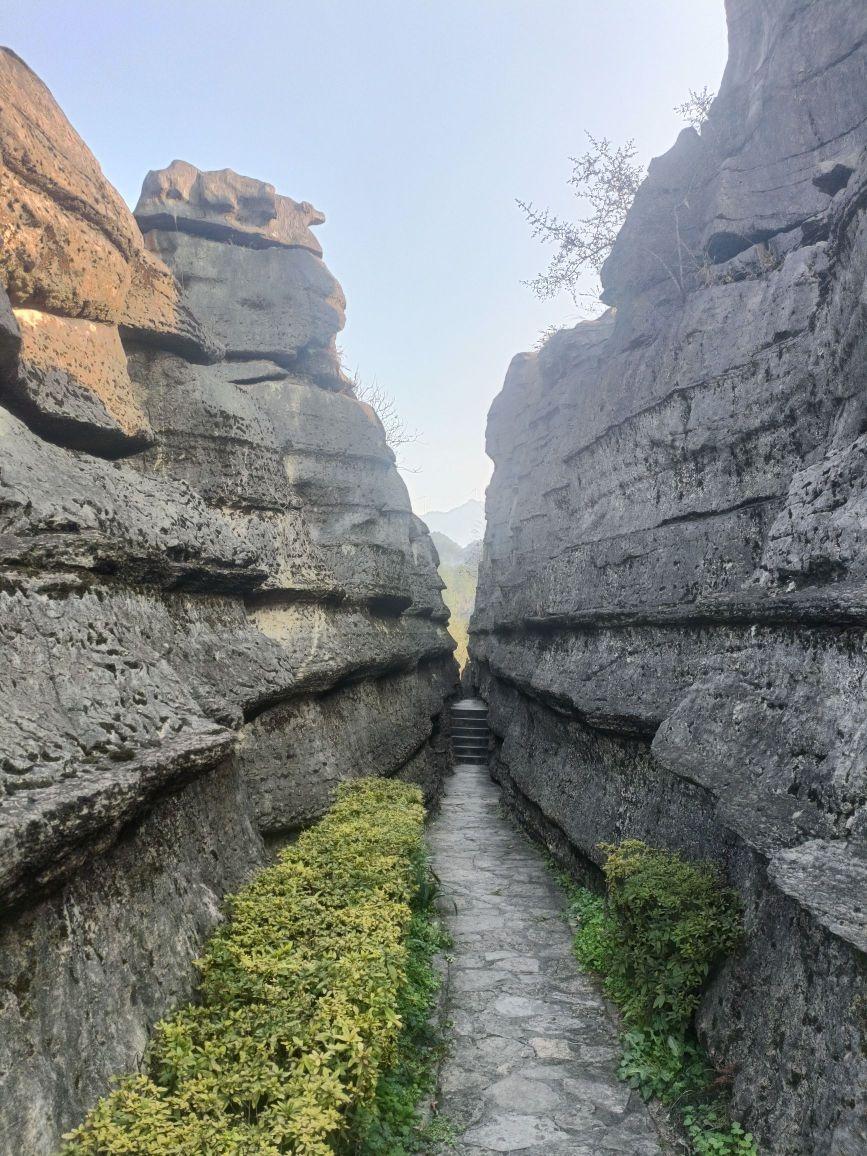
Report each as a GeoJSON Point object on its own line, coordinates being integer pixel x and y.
{"type": "Point", "coordinates": [215, 601]}
{"type": "Point", "coordinates": [672, 605]}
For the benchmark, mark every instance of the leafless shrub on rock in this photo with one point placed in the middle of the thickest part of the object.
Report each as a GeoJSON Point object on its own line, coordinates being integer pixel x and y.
{"type": "Point", "coordinates": [606, 177]}
{"type": "Point", "coordinates": [695, 108]}
{"type": "Point", "coordinates": [397, 433]}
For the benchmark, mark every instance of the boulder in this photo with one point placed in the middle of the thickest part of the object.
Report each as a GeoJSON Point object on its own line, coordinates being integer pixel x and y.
{"type": "Point", "coordinates": [279, 304]}
{"type": "Point", "coordinates": [71, 383]}
{"type": "Point", "coordinates": [248, 261]}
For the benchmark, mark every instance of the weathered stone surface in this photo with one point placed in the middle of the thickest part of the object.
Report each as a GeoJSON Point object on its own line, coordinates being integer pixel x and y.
{"type": "Point", "coordinates": [223, 205]}
{"type": "Point", "coordinates": [168, 678]}
{"type": "Point", "coordinates": [761, 166]}
{"type": "Point", "coordinates": [263, 444]}
{"type": "Point", "coordinates": [67, 236]}
{"type": "Point", "coordinates": [671, 606]}
{"type": "Point", "coordinates": [10, 339]}
{"type": "Point", "coordinates": [60, 509]}
{"type": "Point", "coordinates": [247, 261]}
{"type": "Point", "coordinates": [211, 433]}
{"type": "Point", "coordinates": [824, 875]}
{"type": "Point", "coordinates": [72, 385]}
{"type": "Point", "coordinates": [294, 756]}
{"type": "Point", "coordinates": [276, 303]}
{"type": "Point", "coordinates": [200, 640]}
{"type": "Point", "coordinates": [68, 243]}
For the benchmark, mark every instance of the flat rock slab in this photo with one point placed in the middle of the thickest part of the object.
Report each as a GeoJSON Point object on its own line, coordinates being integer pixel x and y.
{"type": "Point", "coordinates": [533, 1056]}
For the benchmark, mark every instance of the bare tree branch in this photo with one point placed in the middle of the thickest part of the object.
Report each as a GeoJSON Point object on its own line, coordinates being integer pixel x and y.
{"type": "Point", "coordinates": [695, 108]}
{"type": "Point", "coordinates": [397, 433]}
{"type": "Point", "coordinates": [606, 177]}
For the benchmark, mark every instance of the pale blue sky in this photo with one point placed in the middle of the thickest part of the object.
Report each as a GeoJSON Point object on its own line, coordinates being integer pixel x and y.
{"type": "Point", "coordinates": [413, 125]}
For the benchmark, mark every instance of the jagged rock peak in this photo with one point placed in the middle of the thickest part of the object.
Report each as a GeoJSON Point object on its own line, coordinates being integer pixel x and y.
{"type": "Point", "coordinates": [224, 205]}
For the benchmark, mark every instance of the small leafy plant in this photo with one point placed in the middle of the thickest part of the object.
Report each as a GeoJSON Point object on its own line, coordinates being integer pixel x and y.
{"type": "Point", "coordinates": [654, 940]}
{"type": "Point", "coordinates": [390, 1125]}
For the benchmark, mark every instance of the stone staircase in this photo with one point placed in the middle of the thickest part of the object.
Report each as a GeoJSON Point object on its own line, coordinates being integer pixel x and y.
{"type": "Point", "coordinates": [470, 732]}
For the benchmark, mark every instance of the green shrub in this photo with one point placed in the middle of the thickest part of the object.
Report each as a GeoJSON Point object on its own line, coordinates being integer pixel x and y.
{"type": "Point", "coordinates": [303, 992]}
{"type": "Point", "coordinates": [654, 940]}
{"type": "Point", "coordinates": [672, 921]}
{"type": "Point", "coordinates": [594, 942]}
{"type": "Point", "coordinates": [662, 1065]}
{"type": "Point", "coordinates": [390, 1125]}
{"type": "Point", "coordinates": [712, 1133]}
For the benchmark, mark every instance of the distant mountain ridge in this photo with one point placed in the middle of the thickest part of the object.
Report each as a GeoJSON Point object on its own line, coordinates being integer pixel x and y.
{"type": "Point", "coordinates": [464, 524]}
{"type": "Point", "coordinates": [459, 569]}
{"type": "Point", "coordinates": [451, 554]}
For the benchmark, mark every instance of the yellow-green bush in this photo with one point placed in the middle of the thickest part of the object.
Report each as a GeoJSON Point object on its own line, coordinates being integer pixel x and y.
{"type": "Point", "coordinates": [300, 999]}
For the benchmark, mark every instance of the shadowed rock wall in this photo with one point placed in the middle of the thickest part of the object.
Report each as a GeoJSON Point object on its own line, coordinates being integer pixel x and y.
{"type": "Point", "coordinates": [671, 608]}
{"type": "Point", "coordinates": [215, 601]}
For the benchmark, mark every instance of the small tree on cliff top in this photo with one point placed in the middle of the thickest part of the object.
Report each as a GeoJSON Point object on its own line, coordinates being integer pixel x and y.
{"type": "Point", "coordinates": [695, 108]}
{"type": "Point", "coordinates": [606, 177]}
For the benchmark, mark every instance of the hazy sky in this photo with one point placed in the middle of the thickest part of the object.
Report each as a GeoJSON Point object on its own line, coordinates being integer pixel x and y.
{"type": "Point", "coordinates": [414, 125]}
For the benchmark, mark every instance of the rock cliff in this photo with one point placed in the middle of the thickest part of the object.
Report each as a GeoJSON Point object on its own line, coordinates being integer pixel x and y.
{"type": "Point", "coordinates": [672, 605]}
{"type": "Point", "coordinates": [215, 601]}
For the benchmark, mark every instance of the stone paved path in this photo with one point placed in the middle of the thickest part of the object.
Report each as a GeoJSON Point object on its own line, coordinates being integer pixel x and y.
{"type": "Point", "coordinates": [533, 1057]}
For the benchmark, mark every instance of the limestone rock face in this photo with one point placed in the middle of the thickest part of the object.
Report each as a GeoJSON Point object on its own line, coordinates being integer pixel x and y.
{"type": "Point", "coordinates": [87, 970]}
{"type": "Point", "coordinates": [202, 637]}
{"type": "Point", "coordinates": [72, 254]}
{"type": "Point", "coordinates": [10, 339]}
{"type": "Point", "coordinates": [226, 207]}
{"type": "Point", "coordinates": [247, 261]}
{"type": "Point", "coordinates": [671, 606]}
{"type": "Point", "coordinates": [72, 384]}
{"type": "Point", "coordinates": [68, 243]}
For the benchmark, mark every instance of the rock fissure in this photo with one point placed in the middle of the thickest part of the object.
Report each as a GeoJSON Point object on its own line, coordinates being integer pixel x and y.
{"type": "Point", "coordinates": [216, 605]}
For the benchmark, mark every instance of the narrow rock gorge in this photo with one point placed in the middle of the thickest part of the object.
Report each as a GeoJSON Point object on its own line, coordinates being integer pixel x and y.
{"type": "Point", "coordinates": [671, 609]}
{"type": "Point", "coordinates": [216, 601]}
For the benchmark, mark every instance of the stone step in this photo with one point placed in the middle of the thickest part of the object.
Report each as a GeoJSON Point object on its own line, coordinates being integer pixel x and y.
{"type": "Point", "coordinates": [470, 733]}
